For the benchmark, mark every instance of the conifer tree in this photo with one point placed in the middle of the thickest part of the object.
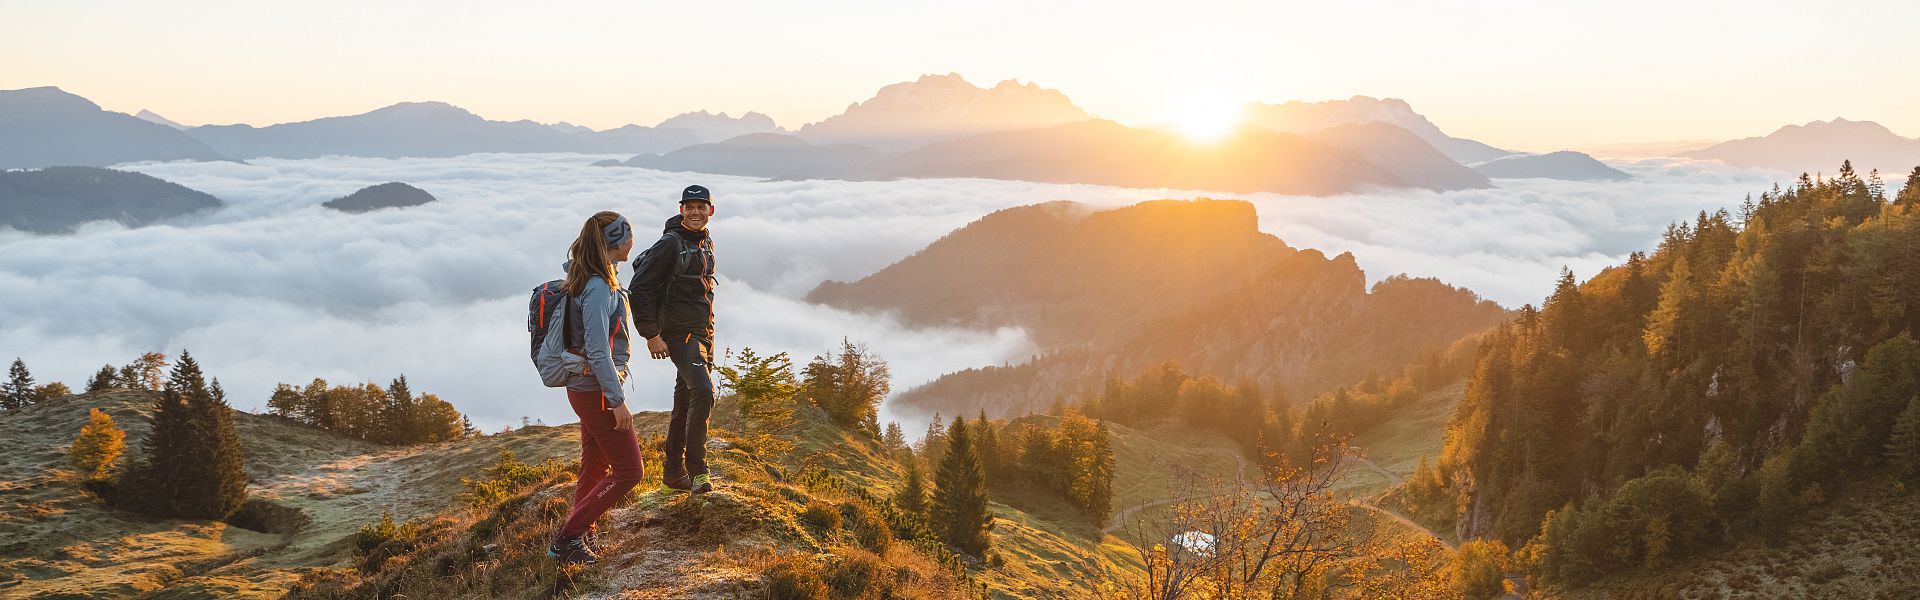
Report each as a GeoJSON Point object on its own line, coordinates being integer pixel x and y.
{"type": "Point", "coordinates": [17, 392]}
{"type": "Point", "coordinates": [105, 378]}
{"type": "Point", "coordinates": [191, 465]}
{"type": "Point", "coordinates": [399, 417]}
{"type": "Point", "coordinates": [98, 445]}
{"type": "Point", "coordinates": [1903, 446]}
{"type": "Point", "coordinates": [894, 440]}
{"type": "Point", "coordinates": [1910, 195]}
{"type": "Point", "coordinates": [1102, 469]}
{"type": "Point", "coordinates": [912, 497]}
{"type": "Point", "coordinates": [960, 495]}
{"type": "Point", "coordinates": [987, 445]}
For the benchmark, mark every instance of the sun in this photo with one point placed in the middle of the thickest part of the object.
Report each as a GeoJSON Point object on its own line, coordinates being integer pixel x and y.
{"type": "Point", "coordinates": [1206, 117]}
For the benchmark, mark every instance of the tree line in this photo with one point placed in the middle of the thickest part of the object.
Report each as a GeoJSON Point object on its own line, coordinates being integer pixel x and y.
{"type": "Point", "coordinates": [1751, 366]}
{"type": "Point", "coordinates": [391, 415]}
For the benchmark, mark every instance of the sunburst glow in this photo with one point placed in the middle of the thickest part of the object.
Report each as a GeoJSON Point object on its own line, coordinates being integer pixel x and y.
{"type": "Point", "coordinates": [1207, 117]}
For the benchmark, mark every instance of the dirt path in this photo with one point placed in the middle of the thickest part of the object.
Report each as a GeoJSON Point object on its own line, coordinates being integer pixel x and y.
{"type": "Point", "coordinates": [1403, 520]}
{"type": "Point", "coordinates": [1120, 518]}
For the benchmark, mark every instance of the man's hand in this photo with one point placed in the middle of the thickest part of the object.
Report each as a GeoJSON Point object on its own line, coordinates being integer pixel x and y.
{"type": "Point", "coordinates": [622, 418]}
{"type": "Point", "coordinates": [657, 347]}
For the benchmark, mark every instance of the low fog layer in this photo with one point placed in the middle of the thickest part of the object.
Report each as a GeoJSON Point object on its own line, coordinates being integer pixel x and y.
{"type": "Point", "coordinates": [274, 288]}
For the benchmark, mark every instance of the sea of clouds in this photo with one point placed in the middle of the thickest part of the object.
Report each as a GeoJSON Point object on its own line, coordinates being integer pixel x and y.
{"type": "Point", "coordinates": [274, 288]}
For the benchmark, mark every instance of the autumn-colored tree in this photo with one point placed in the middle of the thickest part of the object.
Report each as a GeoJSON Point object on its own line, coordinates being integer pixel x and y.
{"type": "Point", "coordinates": [99, 444]}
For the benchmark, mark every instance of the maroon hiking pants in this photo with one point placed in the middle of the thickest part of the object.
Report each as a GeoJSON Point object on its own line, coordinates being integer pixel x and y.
{"type": "Point", "coordinates": [610, 463]}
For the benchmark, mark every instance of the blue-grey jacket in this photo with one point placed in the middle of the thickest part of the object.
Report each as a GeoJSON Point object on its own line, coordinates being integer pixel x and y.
{"type": "Point", "coordinates": [602, 363]}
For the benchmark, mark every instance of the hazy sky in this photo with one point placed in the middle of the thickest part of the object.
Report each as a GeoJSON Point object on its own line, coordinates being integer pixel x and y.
{"type": "Point", "coordinates": [1529, 75]}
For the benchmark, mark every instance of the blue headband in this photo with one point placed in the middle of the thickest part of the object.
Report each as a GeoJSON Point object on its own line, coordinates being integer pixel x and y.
{"type": "Point", "coordinates": [617, 232]}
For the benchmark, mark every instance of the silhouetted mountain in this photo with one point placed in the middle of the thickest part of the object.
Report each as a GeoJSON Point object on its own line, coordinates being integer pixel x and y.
{"type": "Point", "coordinates": [906, 115]}
{"type": "Point", "coordinates": [1098, 152]}
{"type": "Point", "coordinates": [1565, 164]}
{"type": "Point", "coordinates": [565, 127]}
{"type": "Point", "coordinates": [386, 195]}
{"type": "Point", "coordinates": [710, 127]}
{"type": "Point", "coordinates": [1402, 153]}
{"type": "Point", "coordinates": [1120, 290]}
{"type": "Point", "coordinates": [44, 127]}
{"type": "Point", "coordinates": [1303, 117]}
{"type": "Point", "coordinates": [1820, 145]}
{"type": "Point", "coordinates": [426, 129]}
{"type": "Point", "coordinates": [58, 199]}
{"type": "Point", "coordinates": [769, 155]}
{"type": "Point", "coordinates": [152, 117]}
{"type": "Point", "coordinates": [1107, 153]}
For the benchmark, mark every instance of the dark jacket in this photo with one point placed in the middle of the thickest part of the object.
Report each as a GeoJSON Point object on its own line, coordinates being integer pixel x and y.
{"type": "Point", "coordinates": [674, 304]}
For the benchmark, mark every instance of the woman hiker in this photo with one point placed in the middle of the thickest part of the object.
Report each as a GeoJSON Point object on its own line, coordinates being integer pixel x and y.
{"type": "Point", "coordinates": [610, 463]}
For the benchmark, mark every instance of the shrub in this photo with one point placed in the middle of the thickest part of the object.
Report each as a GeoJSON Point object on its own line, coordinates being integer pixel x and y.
{"type": "Point", "coordinates": [1479, 569]}
{"type": "Point", "coordinates": [795, 578]}
{"type": "Point", "coordinates": [868, 527]}
{"type": "Point", "coordinates": [270, 517]}
{"type": "Point", "coordinates": [504, 478]}
{"type": "Point", "coordinates": [820, 516]}
{"type": "Point", "coordinates": [858, 574]}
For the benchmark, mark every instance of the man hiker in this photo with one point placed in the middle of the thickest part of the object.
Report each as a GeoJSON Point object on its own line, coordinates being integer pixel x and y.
{"type": "Point", "coordinates": [672, 296]}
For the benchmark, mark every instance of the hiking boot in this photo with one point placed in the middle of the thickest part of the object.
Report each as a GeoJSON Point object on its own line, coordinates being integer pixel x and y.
{"type": "Point", "coordinates": [702, 484]}
{"type": "Point", "coordinates": [572, 551]}
{"type": "Point", "coordinates": [678, 482]}
{"type": "Point", "coordinates": [592, 541]}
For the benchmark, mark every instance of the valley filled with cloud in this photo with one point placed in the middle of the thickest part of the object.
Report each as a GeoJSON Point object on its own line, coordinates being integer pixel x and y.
{"type": "Point", "coordinates": [274, 288]}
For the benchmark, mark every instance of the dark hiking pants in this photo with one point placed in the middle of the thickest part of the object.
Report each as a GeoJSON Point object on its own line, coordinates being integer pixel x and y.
{"type": "Point", "coordinates": [692, 401]}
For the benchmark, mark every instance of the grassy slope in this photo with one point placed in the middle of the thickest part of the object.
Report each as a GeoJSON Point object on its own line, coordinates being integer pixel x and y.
{"type": "Point", "coordinates": [61, 541]}
{"type": "Point", "coordinates": [1860, 544]}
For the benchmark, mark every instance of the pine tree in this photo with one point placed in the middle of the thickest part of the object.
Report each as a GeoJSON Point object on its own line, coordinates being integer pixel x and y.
{"type": "Point", "coordinates": [1100, 493]}
{"type": "Point", "coordinates": [894, 440]}
{"type": "Point", "coordinates": [191, 464]}
{"type": "Point", "coordinates": [987, 445]}
{"type": "Point", "coordinates": [960, 495]}
{"type": "Point", "coordinates": [765, 387]}
{"type": "Point", "coordinates": [398, 419]}
{"type": "Point", "coordinates": [105, 378]}
{"type": "Point", "coordinates": [1903, 447]}
{"type": "Point", "coordinates": [1910, 195]}
{"type": "Point", "coordinates": [466, 427]}
{"type": "Point", "coordinates": [912, 497]}
{"type": "Point", "coordinates": [17, 392]}
{"type": "Point", "coordinates": [98, 445]}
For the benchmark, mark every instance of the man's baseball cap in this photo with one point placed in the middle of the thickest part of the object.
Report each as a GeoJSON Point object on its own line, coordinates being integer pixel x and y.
{"type": "Point", "coordinates": [695, 193]}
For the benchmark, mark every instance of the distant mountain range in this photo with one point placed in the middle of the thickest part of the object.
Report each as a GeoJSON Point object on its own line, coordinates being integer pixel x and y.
{"type": "Point", "coordinates": [59, 199]}
{"type": "Point", "coordinates": [1303, 117]}
{"type": "Point", "coordinates": [937, 125]}
{"type": "Point", "coordinates": [1104, 153]}
{"type": "Point", "coordinates": [426, 129]}
{"type": "Point", "coordinates": [1565, 164]}
{"type": "Point", "coordinates": [710, 127]}
{"type": "Point", "coordinates": [1306, 117]}
{"type": "Point", "coordinates": [1117, 291]}
{"type": "Point", "coordinates": [152, 117]}
{"type": "Point", "coordinates": [1819, 147]}
{"type": "Point", "coordinates": [44, 127]}
{"type": "Point", "coordinates": [936, 108]}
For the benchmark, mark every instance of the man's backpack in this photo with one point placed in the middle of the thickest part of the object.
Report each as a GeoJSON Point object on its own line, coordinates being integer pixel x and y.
{"type": "Point", "coordinates": [547, 321]}
{"type": "Point", "coordinates": [661, 292]}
